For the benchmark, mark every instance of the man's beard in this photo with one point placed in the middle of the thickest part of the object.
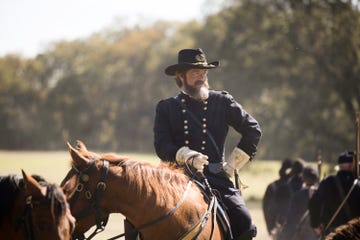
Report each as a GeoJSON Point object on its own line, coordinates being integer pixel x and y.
{"type": "Point", "coordinates": [200, 93]}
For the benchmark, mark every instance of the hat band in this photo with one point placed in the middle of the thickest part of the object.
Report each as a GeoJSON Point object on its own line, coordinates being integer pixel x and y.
{"type": "Point", "coordinates": [197, 63]}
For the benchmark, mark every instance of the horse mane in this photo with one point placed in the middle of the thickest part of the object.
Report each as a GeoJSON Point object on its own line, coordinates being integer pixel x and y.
{"type": "Point", "coordinates": [349, 230]}
{"type": "Point", "coordinates": [11, 185]}
{"type": "Point", "coordinates": [145, 179]}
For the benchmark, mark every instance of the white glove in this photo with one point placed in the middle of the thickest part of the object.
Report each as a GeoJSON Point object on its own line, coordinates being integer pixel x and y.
{"type": "Point", "coordinates": [193, 158]}
{"type": "Point", "coordinates": [238, 158]}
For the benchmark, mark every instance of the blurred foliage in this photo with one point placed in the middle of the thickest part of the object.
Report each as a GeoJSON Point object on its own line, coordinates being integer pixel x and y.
{"type": "Point", "coordinates": [293, 64]}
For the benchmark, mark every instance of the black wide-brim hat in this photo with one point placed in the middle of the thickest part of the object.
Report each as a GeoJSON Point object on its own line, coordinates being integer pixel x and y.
{"type": "Point", "coordinates": [190, 58]}
{"type": "Point", "coordinates": [346, 157]}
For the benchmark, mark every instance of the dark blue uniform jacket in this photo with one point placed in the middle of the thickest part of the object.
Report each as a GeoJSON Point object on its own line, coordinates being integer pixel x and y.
{"type": "Point", "coordinates": [174, 128]}
{"type": "Point", "coordinates": [329, 196]}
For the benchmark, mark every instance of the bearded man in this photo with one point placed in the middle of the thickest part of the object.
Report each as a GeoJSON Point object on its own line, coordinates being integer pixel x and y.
{"type": "Point", "coordinates": [191, 128]}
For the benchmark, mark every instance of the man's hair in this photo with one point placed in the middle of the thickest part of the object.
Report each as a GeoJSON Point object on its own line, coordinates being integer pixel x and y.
{"type": "Point", "coordinates": [180, 72]}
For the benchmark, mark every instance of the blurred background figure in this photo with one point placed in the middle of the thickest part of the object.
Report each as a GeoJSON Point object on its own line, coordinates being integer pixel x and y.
{"type": "Point", "coordinates": [269, 204]}
{"type": "Point", "coordinates": [296, 180]}
{"type": "Point", "coordinates": [297, 222]}
{"type": "Point", "coordinates": [336, 201]}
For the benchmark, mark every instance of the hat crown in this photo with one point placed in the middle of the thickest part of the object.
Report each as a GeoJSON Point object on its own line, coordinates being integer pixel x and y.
{"type": "Point", "coordinates": [191, 56]}
{"type": "Point", "coordinates": [346, 157]}
{"type": "Point", "coordinates": [310, 175]}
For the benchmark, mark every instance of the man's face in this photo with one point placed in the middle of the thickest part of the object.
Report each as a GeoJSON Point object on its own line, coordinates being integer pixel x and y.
{"type": "Point", "coordinates": [196, 77]}
{"type": "Point", "coordinates": [195, 83]}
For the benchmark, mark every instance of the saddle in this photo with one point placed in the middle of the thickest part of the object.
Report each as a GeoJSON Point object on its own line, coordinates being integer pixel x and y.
{"type": "Point", "coordinates": [221, 216]}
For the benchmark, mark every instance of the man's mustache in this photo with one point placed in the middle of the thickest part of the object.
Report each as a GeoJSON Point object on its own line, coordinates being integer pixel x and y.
{"type": "Point", "coordinates": [199, 83]}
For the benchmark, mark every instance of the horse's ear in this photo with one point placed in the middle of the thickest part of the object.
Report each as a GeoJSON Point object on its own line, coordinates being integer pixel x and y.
{"type": "Point", "coordinates": [77, 158]}
{"type": "Point", "coordinates": [80, 146]}
{"type": "Point", "coordinates": [32, 187]}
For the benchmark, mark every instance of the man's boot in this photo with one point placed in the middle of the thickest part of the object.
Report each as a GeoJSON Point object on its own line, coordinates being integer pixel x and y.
{"type": "Point", "coordinates": [248, 235]}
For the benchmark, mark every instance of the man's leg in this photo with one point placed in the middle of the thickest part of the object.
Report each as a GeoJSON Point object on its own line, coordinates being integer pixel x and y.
{"type": "Point", "coordinates": [239, 215]}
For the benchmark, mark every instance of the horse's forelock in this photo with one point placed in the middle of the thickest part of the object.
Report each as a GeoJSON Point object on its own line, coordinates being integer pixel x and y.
{"type": "Point", "coordinates": [55, 195]}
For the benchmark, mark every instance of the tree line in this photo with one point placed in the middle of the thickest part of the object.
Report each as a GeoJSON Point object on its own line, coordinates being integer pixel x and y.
{"type": "Point", "coordinates": [293, 64]}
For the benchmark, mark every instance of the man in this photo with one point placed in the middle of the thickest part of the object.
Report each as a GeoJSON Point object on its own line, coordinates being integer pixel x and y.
{"type": "Point", "coordinates": [297, 222]}
{"type": "Point", "coordinates": [284, 193]}
{"type": "Point", "coordinates": [191, 129]}
{"type": "Point", "coordinates": [332, 191]}
{"type": "Point", "coordinates": [271, 207]}
{"type": "Point", "coordinates": [296, 179]}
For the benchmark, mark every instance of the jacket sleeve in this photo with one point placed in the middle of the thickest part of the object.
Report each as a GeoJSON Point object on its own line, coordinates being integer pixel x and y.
{"type": "Point", "coordinates": [244, 124]}
{"type": "Point", "coordinates": [316, 204]}
{"type": "Point", "coordinates": [163, 141]}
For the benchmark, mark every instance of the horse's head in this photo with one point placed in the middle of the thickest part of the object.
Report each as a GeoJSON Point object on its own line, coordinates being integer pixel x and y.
{"type": "Point", "coordinates": [45, 212]}
{"type": "Point", "coordinates": [84, 186]}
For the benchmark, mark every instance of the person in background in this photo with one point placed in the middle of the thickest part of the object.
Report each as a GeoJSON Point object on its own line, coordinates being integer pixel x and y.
{"type": "Point", "coordinates": [332, 191]}
{"type": "Point", "coordinates": [191, 129]}
{"type": "Point", "coordinates": [285, 191]}
{"type": "Point", "coordinates": [297, 222]}
{"type": "Point", "coordinates": [296, 180]}
{"type": "Point", "coordinates": [269, 205]}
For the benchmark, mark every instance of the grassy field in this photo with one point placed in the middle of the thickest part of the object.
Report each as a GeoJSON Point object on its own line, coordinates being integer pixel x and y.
{"type": "Point", "coordinates": [54, 165]}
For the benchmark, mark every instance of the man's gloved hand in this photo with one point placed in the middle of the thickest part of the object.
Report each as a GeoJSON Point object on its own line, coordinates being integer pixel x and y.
{"type": "Point", "coordinates": [238, 158]}
{"type": "Point", "coordinates": [193, 158]}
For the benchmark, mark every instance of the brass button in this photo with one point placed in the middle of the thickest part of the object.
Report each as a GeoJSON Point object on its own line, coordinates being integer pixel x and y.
{"type": "Point", "coordinates": [183, 100]}
{"type": "Point", "coordinates": [204, 119]}
{"type": "Point", "coordinates": [185, 121]}
{"type": "Point", "coordinates": [186, 132]}
{"type": "Point", "coordinates": [184, 111]}
{"type": "Point", "coordinates": [202, 148]}
{"type": "Point", "coordinates": [204, 125]}
{"type": "Point", "coordinates": [203, 142]}
{"type": "Point", "coordinates": [204, 131]}
{"type": "Point", "coordinates": [185, 127]}
{"type": "Point", "coordinates": [205, 108]}
{"type": "Point", "coordinates": [186, 142]}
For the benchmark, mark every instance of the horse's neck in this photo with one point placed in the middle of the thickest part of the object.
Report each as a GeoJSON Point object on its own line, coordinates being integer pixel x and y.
{"type": "Point", "coordinates": [137, 207]}
{"type": "Point", "coordinates": [155, 203]}
{"type": "Point", "coordinates": [8, 227]}
{"type": "Point", "coordinates": [124, 200]}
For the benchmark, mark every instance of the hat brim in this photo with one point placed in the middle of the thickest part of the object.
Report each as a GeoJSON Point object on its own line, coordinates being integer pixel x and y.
{"type": "Point", "coordinates": [171, 70]}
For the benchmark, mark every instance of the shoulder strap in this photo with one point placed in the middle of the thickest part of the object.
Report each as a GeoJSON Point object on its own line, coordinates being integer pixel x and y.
{"type": "Point", "coordinates": [208, 133]}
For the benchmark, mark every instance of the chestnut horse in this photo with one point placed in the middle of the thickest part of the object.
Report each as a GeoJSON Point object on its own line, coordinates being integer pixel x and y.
{"type": "Point", "coordinates": [161, 202]}
{"type": "Point", "coordinates": [33, 210]}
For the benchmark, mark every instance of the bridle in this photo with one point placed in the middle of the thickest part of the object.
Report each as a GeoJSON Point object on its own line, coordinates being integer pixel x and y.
{"type": "Point", "coordinates": [94, 199]}
{"type": "Point", "coordinates": [24, 220]}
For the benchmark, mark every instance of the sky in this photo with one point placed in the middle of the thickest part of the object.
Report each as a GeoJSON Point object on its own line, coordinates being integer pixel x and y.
{"type": "Point", "coordinates": [28, 26]}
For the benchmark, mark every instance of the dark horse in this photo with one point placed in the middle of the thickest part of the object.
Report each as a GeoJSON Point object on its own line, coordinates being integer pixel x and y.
{"type": "Point", "coordinates": [161, 202]}
{"type": "Point", "coordinates": [347, 231]}
{"type": "Point", "coordinates": [31, 208]}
